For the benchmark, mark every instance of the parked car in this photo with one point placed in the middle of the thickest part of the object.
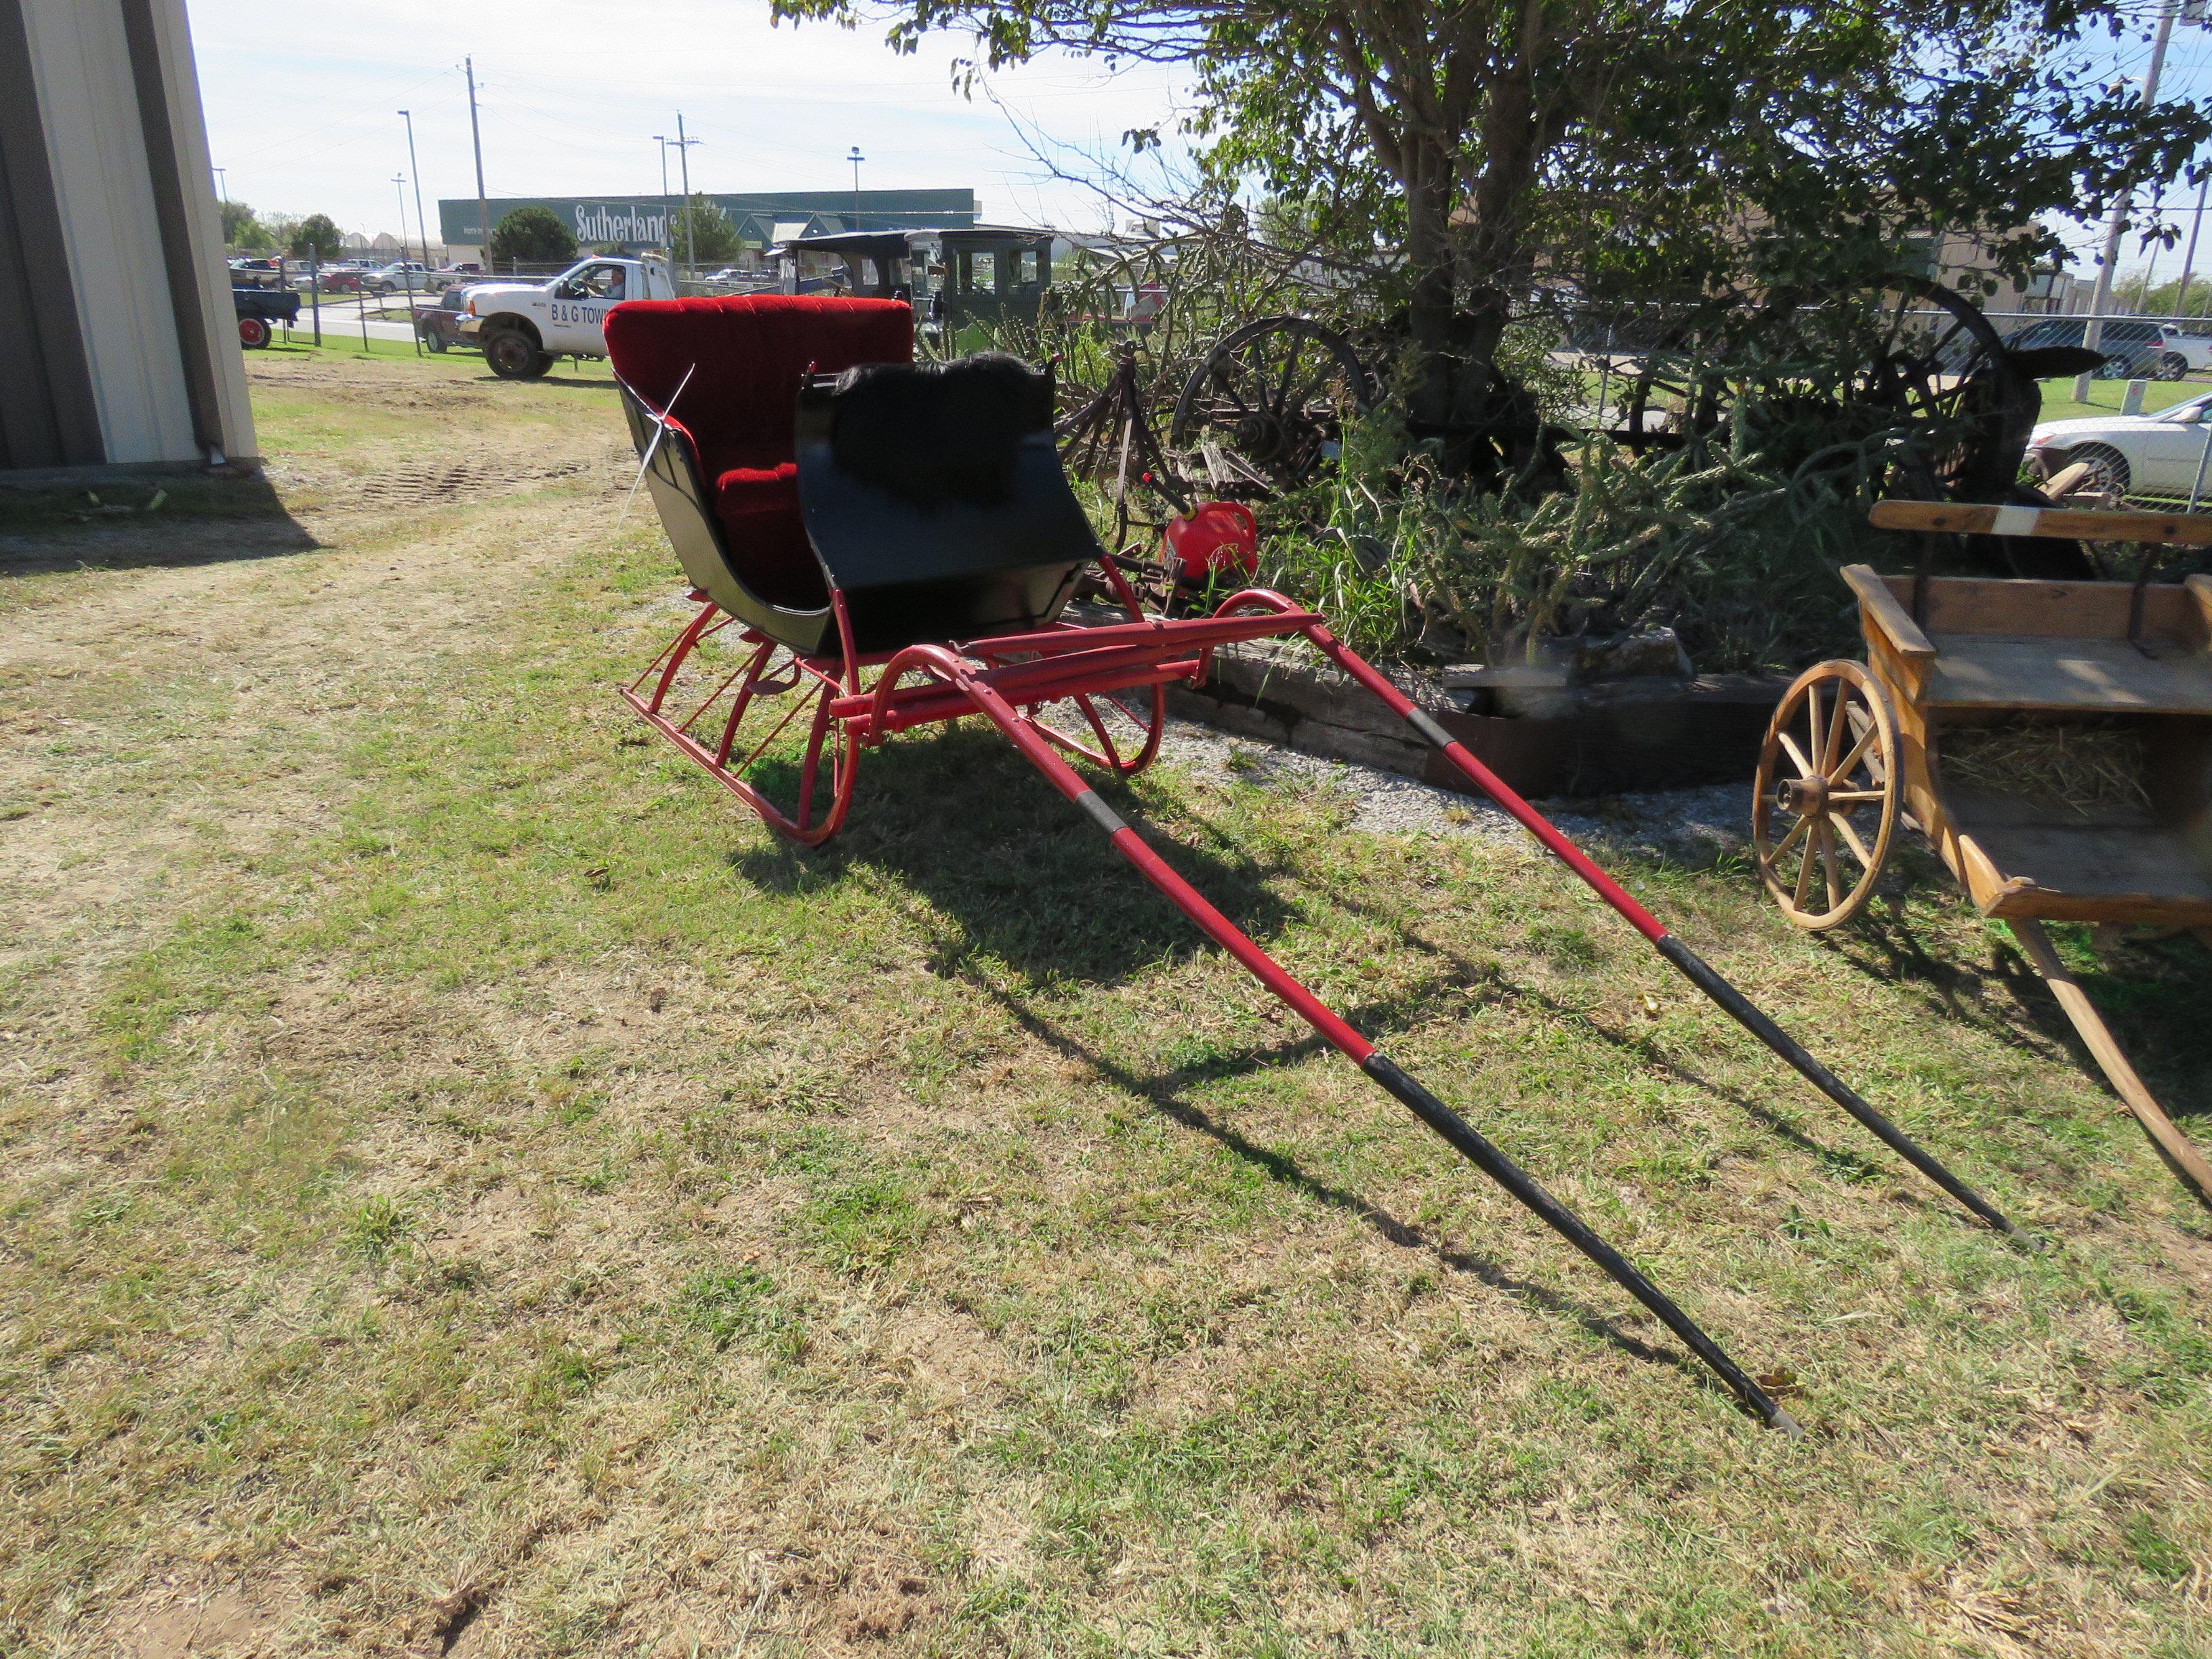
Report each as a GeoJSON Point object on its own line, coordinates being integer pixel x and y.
{"type": "Point", "coordinates": [256, 273]}
{"type": "Point", "coordinates": [2183, 353]}
{"type": "Point", "coordinates": [2128, 454]}
{"type": "Point", "coordinates": [399, 276]}
{"type": "Point", "coordinates": [2132, 350]}
{"type": "Point", "coordinates": [260, 309]}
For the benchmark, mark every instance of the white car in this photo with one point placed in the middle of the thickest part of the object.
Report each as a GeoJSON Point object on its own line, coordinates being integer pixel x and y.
{"type": "Point", "coordinates": [398, 276]}
{"type": "Point", "coordinates": [2182, 353]}
{"type": "Point", "coordinates": [2129, 454]}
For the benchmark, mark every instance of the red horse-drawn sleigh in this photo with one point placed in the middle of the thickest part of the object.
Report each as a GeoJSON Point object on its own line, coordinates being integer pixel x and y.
{"type": "Point", "coordinates": [875, 545]}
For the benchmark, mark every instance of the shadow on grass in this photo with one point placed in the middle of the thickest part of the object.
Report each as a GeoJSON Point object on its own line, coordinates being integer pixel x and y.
{"type": "Point", "coordinates": [960, 819]}
{"type": "Point", "coordinates": [1164, 1093]}
{"type": "Point", "coordinates": [1847, 1164]}
{"type": "Point", "coordinates": [968, 824]}
{"type": "Point", "coordinates": [2151, 993]}
{"type": "Point", "coordinates": [597, 383]}
{"type": "Point", "coordinates": [123, 527]}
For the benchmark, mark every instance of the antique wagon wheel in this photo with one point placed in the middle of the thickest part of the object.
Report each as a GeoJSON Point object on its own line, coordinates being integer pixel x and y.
{"type": "Point", "coordinates": [1950, 379]}
{"type": "Point", "coordinates": [1825, 809]}
{"type": "Point", "coordinates": [1269, 405]}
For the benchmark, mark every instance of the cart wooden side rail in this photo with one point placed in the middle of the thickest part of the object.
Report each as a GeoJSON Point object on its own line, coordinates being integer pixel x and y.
{"type": "Point", "coordinates": [1851, 750]}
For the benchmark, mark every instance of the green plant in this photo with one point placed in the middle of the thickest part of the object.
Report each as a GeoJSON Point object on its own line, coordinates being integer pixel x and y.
{"type": "Point", "coordinates": [701, 232]}
{"type": "Point", "coordinates": [532, 235]}
{"type": "Point", "coordinates": [315, 237]}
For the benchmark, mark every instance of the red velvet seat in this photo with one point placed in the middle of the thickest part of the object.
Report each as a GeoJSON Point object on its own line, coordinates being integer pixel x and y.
{"type": "Point", "coordinates": [746, 355]}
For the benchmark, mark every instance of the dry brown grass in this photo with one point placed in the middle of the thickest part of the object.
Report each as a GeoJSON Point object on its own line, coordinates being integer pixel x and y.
{"type": "Point", "coordinates": [420, 1243]}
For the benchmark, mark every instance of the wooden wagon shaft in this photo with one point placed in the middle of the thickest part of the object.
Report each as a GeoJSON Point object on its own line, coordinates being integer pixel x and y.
{"type": "Point", "coordinates": [1958, 519]}
{"type": "Point", "coordinates": [2179, 1153]}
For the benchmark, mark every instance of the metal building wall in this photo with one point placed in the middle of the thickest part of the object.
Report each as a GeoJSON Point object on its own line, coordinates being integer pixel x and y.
{"type": "Point", "coordinates": [112, 247]}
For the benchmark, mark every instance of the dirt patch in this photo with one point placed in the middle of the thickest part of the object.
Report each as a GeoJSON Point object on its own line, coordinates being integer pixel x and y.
{"type": "Point", "coordinates": [224, 1622]}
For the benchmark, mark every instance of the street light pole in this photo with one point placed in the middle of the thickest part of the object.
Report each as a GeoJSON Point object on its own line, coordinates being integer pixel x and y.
{"type": "Point", "coordinates": [2094, 335]}
{"type": "Point", "coordinates": [421, 230]}
{"type": "Point", "coordinates": [667, 213]}
{"type": "Point", "coordinates": [400, 184]}
{"type": "Point", "coordinates": [854, 156]}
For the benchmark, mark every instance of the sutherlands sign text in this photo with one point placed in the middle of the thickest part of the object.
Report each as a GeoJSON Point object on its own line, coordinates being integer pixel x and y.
{"type": "Point", "coordinates": [643, 222]}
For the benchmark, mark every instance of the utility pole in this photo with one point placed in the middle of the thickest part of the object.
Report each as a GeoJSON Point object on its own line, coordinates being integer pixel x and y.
{"type": "Point", "coordinates": [667, 213]}
{"type": "Point", "coordinates": [854, 156]}
{"type": "Point", "coordinates": [690, 236]}
{"type": "Point", "coordinates": [222, 184]}
{"type": "Point", "coordinates": [2102, 297]}
{"type": "Point", "coordinates": [475, 138]}
{"type": "Point", "coordinates": [2189, 256]}
{"type": "Point", "coordinates": [421, 230]}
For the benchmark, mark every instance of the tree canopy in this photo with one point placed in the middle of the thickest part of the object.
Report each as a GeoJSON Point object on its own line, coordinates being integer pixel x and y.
{"type": "Point", "coordinates": [701, 231]}
{"type": "Point", "coordinates": [532, 235]}
{"type": "Point", "coordinates": [242, 229]}
{"type": "Point", "coordinates": [1654, 148]}
{"type": "Point", "coordinates": [315, 237]}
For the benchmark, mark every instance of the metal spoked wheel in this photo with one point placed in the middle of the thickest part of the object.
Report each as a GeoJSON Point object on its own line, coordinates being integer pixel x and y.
{"type": "Point", "coordinates": [1825, 809]}
{"type": "Point", "coordinates": [1268, 407]}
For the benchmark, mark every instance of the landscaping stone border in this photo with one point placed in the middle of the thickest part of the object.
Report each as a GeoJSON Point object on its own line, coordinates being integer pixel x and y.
{"type": "Point", "coordinates": [1648, 732]}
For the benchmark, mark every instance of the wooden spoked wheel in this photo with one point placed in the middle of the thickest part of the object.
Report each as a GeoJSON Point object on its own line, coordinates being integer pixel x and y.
{"type": "Point", "coordinates": [1826, 806]}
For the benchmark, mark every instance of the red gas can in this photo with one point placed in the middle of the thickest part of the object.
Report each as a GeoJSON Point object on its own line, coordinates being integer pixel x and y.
{"type": "Point", "coordinates": [1217, 536]}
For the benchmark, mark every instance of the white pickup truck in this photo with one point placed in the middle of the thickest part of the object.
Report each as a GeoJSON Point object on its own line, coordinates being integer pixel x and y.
{"type": "Point", "coordinates": [524, 326]}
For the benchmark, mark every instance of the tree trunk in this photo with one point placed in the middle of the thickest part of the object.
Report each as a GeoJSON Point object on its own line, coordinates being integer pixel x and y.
{"type": "Point", "coordinates": [1429, 196]}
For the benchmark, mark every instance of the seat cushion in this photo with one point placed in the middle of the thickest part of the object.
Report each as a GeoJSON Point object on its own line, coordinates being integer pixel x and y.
{"type": "Point", "coordinates": [744, 355]}
{"type": "Point", "coordinates": [759, 510]}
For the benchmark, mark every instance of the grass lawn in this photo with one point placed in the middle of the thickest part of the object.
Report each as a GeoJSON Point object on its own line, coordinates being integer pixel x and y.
{"type": "Point", "coordinates": [2105, 396]}
{"type": "Point", "coordinates": [470, 1190]}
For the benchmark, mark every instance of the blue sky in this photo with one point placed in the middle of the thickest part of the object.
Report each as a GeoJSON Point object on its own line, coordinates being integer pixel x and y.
{"type": "Point", "coordinates": [300, 105]}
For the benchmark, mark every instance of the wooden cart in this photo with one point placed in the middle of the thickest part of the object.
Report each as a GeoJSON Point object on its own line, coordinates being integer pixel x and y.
{"type": "Point", "coordinates": [1854, 748]}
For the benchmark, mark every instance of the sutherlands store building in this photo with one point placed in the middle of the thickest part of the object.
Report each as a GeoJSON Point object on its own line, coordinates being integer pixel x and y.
{"type": "Point", "coordinates": [119, 343]}
{"type": "Point", "coordinates": [761, 220]}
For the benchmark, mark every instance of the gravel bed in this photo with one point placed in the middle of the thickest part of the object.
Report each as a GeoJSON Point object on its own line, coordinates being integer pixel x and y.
{"type": "Point", "coordinates": [1699, 824]}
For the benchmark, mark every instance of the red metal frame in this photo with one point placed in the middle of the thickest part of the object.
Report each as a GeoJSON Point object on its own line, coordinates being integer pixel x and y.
{"type": "Point", "coordinates": [860, 701]}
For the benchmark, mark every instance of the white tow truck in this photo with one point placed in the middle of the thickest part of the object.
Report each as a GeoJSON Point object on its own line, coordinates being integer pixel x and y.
{"type": "Point", "coordinates": [524, 326]}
